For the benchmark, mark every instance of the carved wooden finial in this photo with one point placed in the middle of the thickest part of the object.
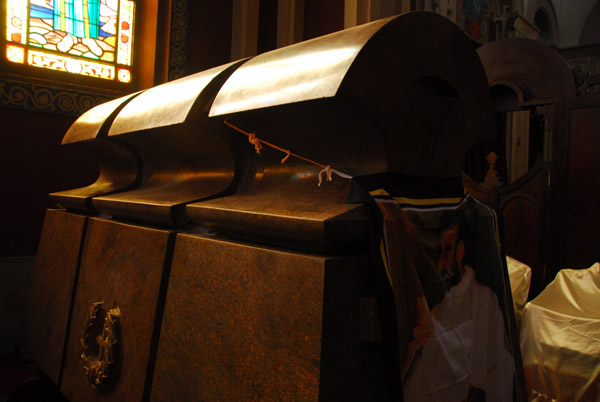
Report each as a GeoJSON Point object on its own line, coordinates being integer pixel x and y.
{"type": "Point", "coordinates": [491, 177]}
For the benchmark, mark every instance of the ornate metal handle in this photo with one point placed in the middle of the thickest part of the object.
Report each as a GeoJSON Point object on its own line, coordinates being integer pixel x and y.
{"type": "Point", "coordinates": [101, 342]}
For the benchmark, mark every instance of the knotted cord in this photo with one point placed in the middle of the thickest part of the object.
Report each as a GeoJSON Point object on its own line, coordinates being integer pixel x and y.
{"type": "Point", "coordinates": [257, 142]}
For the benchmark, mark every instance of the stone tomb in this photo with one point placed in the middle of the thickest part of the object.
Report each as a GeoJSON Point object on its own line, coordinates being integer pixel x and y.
{"type": "Point", "coordinates": [196, 269]}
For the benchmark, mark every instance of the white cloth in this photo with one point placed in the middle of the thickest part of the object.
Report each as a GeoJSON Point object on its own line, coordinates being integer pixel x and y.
{"type": "Point", "coordinates": [520, 281]}
{"type": "Point", "coordinates": [560, 338]}
{"type": "Point", "coordinates": [467, 347]}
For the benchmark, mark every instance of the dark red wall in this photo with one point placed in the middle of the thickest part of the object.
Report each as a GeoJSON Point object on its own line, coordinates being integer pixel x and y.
{"type": "Point", "coordinates": [209, 34]}
{"type": "Point", "coordinates": [322, 17]}
{"type": "Point", "coordinates": [32, 165]}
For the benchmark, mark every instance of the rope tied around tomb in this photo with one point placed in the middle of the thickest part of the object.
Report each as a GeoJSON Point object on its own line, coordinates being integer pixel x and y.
{"type": "Point", "coordinates": [255, 141]}
{"type": "Point", "coordinates": [327, 170]}
{"type": "Point", "coordinates": [258, 146]}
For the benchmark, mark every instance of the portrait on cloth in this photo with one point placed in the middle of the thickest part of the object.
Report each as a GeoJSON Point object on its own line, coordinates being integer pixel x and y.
{"type": "Point", "coordinates": [449, 282]}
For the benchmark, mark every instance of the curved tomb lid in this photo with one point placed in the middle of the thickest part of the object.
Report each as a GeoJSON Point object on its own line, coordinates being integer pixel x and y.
{"type": "Point", "coordinates": [417, 77]}
{"type": "Point", "coordinates": [171, 103]}
{"type": "Point", "coordinates": [94, 122]}
{"type": "Point", "coordinates": [304, 71]}
{"type": "Point", "coordinates": [538, 69]}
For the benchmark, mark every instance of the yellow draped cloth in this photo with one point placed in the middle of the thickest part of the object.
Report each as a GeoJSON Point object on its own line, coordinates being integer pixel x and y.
{"type": "Point", "coordinates": [560, 338]}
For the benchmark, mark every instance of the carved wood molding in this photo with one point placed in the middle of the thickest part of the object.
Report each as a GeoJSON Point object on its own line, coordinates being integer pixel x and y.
{"type": "Point", "coordinates": [586, 71]}
{"type": "Point", "coordinates": [178, 39]}
{"type": "Point", "coordinates": [45, 98]}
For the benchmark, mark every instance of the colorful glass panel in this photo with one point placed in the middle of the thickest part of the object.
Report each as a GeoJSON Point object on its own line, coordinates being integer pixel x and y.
{"type": "Point", "coordinates": [71, 65]}
{"type": "Point", "coordinates": [16, 54]}
{"type": "Point", "coordinates": [125, 33]}
{"type": "Point", "coordinates": [88, 37]}
{"type": "Point", "coordinates": [16, 21]}
{"type": "Point", "coordinates": [123, 75]}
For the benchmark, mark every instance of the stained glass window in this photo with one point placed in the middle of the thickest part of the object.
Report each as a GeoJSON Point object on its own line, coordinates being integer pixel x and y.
{"type": "Point", "coordinates": [87, 37]}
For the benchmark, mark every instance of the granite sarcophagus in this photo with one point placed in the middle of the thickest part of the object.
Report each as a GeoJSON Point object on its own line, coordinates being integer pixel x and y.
{"type": "Point", "coordinates": [196, 268]}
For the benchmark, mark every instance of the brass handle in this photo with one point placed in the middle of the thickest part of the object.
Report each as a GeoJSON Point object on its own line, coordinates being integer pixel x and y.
{"type": "Point", "coordinates": [101, 342]}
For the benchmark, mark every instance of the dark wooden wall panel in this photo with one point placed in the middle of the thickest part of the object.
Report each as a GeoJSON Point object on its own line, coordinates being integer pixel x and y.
{"type": "Point", "coordinates": [582, 212]}
{"type": "Point", "coordinates": [524, 207]}
{"type": "Point", "coordinates": [522, 241]}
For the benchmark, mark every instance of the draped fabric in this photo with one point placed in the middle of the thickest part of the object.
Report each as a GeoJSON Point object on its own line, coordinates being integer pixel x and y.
{"type": "Point", "coordinates": [451, 315]}
{"type": "Point", "coordinates": [520, 281]}
{"type": "Point", "coordinates": [465, 352]}
{"type": "Point", "coordinates": [560, 338]}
